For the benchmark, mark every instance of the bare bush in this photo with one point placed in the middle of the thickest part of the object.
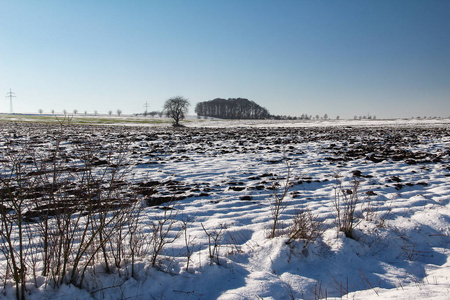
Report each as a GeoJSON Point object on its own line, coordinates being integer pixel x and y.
{"type": "Point", "coordinates": [188, 242]}
{"type": "Point", "coordinates": [60, 211]}
{"type": "Point", "coordinates": [161, 232]}
{"type": "Point", "coordinates": [277, 204]}
{"type": "Point", "coordinates": [106, 206]}
{"type": "Point", "coordinates": [136, 237]}
{"type": "Point", "coordinates": [306, 227]}
{"type": "Point", "coordinates": [319, 292]}
{"type": "Point", "coordinates": [14, 187]}
{"type": "Point", "coordinates": [345, 203]}
{"type": "Point", "coordinates": [214, 239]}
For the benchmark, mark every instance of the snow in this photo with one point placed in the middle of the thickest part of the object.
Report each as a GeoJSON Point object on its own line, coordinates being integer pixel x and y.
{"type": "Point", "coordinates": [404, 256]}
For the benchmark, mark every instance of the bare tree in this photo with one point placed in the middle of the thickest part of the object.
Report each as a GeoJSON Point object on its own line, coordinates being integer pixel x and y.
{"type": "Point", "coordinates": [176, 108]}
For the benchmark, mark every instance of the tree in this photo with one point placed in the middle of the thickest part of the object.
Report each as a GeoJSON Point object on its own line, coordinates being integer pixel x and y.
{"type": "Point", "coordinates": [176, 108]}
{"type": "Point", "coordinates": [119, 112]}
{"type": "Point", "coordinates": [110, 112]}
{"type": "Point", "coordinates": [40, 110]}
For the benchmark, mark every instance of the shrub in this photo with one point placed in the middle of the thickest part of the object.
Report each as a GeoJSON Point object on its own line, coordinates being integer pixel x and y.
{"type": "Point", "coordinates": [277, 204]}
{"type": "Point", "coordinates": [345, 202]}
{"type": "Point", "coordinates": [306, 227]}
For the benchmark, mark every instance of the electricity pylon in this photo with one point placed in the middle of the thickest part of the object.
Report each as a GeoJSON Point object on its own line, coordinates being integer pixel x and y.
{"type": "Point", "coordinates": [10, 95]}
{"type": "Point", "coordinates": [146, 107]}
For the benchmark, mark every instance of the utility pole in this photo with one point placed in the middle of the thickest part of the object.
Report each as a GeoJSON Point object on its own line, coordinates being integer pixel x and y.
{"type": "Point", "coordinates": [10, 95]}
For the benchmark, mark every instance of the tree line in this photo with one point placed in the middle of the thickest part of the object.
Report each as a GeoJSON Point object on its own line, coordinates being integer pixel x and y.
{"type": "Point", "coordinates": [232, 108]}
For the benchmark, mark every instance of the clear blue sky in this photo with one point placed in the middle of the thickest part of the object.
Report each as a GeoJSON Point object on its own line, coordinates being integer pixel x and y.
{"type": "Point", "coordinates": [387, 58]}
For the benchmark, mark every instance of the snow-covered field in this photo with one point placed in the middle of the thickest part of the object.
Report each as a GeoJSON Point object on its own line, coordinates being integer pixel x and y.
{"type": "Point", "coordinates": [225, 177]}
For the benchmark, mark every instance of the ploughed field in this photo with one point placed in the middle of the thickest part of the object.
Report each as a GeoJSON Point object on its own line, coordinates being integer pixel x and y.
{"type": "Point", "coordinates": [164, 164]}
{"type": "Point", "coordinates": [226, 178]}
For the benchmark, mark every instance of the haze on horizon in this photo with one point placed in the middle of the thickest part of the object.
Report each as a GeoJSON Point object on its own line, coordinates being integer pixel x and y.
{"type": "Point", "coordinates": [385, 58]}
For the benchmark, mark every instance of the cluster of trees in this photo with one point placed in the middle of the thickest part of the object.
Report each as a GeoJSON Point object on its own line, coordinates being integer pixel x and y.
{"type": "Point", "coordinates": [368, 117]}
{"type": "Point", "coordinates": [75, 112]}
{"type": "Point", "coordinates": [153, 113]}
{"type": "Point", "coordinates": [302, 117]}
{"type": "Point", "coordinates": [232, 108]}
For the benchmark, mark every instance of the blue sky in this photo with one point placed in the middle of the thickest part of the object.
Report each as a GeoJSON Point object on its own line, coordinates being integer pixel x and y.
{"type": "Point", "coordinates": [384, 58]}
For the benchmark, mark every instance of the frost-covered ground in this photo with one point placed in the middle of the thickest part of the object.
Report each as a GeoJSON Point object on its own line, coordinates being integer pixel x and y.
{"type": "Point", "coordinates": [223, 175]}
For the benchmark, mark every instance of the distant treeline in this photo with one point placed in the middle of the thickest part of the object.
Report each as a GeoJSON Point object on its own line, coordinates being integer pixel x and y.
{"type": "Point", "coordinates": [232, 108]}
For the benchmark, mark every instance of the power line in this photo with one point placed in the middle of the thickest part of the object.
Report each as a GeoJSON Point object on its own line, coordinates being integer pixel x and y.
{"type": "Point", "coordinates": [10, 95]}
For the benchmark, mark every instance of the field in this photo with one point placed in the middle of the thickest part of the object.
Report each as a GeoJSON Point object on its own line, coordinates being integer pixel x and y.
{"type": "Point", "coordinates": [225, 210]}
